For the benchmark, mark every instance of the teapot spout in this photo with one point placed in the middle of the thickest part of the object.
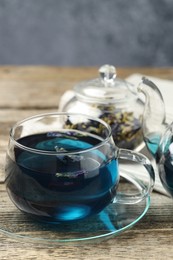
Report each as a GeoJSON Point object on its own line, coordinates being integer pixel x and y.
{"type": "Point", "coordinates": [153, 121]}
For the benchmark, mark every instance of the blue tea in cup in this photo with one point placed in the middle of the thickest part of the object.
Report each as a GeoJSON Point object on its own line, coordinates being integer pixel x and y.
{"type": "Point", "coordinates": [64, 167]}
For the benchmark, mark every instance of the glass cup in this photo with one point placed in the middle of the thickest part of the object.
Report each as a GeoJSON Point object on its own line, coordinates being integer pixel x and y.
{"type": "Point", "coordinates": [65, 167]}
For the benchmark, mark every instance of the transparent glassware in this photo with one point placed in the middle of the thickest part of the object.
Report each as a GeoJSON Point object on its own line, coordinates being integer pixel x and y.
{"type": "Point", "coordinates": [158, 134]}
{"type": "Point", "coordinates": [62, 167]}
{"type": "Point", "coordinates": [113, 100]}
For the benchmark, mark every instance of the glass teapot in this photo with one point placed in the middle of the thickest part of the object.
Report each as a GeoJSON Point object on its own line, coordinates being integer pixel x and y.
{"type": "Point", "coordinates": [113, 100]}
{"type": "Point", "coordinates": [158, 134]}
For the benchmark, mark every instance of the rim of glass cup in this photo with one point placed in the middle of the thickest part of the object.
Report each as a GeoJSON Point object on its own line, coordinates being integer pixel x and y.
{"type": "Point", "coordinates": [54, 114]}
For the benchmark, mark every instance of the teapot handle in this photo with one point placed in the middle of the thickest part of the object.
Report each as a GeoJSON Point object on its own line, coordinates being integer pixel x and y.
{"type": "Point", "coordinates": [144, 188]}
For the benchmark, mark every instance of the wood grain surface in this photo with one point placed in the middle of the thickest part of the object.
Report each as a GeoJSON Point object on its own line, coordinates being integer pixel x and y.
{"type": "Point", "coordinates": [27, 91]}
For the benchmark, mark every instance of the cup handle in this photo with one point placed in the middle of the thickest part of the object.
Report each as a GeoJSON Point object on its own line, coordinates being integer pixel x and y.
{"type": "Point", "coordinates": [144, 188]}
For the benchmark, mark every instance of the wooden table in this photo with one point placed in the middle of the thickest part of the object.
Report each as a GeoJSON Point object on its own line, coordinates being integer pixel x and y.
{"type": "Point", "coordinates": [26, 91]}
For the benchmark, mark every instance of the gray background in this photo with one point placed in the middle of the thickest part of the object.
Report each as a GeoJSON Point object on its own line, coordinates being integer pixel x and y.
{"type": "Point", "coordinates": [86, 32]}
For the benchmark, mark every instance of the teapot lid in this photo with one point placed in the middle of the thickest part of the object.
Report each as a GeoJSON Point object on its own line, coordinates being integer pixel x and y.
{"type": "Point", "coordinates": [106, 89]}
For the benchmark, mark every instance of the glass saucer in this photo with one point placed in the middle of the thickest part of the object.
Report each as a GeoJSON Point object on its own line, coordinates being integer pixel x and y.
{"type": "Point", "coordinates": [112, 221]}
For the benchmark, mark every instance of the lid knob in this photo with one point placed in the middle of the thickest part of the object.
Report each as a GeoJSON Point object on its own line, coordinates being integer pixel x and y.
{"type": "Point", "coordinates": [108, 74]}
